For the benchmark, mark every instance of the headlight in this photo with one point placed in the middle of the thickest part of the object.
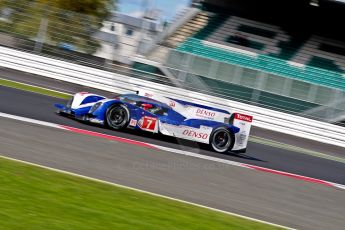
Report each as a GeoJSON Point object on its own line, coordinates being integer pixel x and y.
{"type": "Point", "coordinates": [95, 107]}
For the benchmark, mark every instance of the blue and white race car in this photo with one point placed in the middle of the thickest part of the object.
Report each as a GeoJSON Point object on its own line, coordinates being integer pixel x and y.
{"type": "Point", "coordinates": [222, 130]}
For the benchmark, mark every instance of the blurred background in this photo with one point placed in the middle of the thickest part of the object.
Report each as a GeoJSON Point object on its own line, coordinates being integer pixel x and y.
{"type": "Point", "coordinates": [285, 55]}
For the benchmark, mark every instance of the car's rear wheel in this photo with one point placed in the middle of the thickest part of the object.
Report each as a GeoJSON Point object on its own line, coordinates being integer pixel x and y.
{"type": "Point", "coordinates": [117, 116]}
{"type": "Point", "coordinates": [222, 140]}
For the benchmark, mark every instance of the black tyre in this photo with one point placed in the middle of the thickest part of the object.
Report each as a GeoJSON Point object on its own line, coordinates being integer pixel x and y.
{"type": "Point", "coordinates": [222, 140]}
{"type": "Point", "coordinates": [117, 116]}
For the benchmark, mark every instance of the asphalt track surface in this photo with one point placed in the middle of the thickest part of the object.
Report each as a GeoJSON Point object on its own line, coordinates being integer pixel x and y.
{"type": "Point", "coordinates": [40, 107]}
{"type": "Point", "coordinates": [264, 196]}
{"type": "Point", "coordinates": [62, 86]}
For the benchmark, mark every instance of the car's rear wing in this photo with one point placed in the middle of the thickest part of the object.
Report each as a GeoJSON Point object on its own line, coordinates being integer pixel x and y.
{"type": "Point", "coordinates": [244, 123]}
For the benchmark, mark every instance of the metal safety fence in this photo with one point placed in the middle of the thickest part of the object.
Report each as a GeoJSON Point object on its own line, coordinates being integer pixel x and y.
{"type": "Point", "coordinates": [113, 82]}
{"type": "Point", "coordinates": [64, 35]}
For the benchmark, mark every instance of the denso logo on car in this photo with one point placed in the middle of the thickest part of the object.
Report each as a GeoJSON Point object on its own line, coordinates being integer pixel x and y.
{"type": "Point", "coordinates": [191, 133]}
{"type": "Point", "coordinates": [243, 117]}
{"type": "Point", "coordinates": [204, 112]}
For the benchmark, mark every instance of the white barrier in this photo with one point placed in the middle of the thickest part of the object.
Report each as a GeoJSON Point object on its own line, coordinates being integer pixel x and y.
{"type": "Point", "coordinates": [104, 80]}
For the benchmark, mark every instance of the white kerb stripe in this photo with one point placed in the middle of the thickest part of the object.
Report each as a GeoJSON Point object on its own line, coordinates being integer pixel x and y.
{"type": "Point", "coordinates": [29, 120]}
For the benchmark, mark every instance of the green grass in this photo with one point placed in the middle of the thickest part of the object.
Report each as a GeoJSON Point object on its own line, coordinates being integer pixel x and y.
{"type": "Point", "coordinates": [36, 198]}
{"type": "Point", "coordinates": [34, 89]}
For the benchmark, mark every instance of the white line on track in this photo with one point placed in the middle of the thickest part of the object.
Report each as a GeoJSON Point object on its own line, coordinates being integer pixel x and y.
{"type": "Point", "coordinates": [143, 191]}
{"type": "Point", "coordinates": [29, 120]}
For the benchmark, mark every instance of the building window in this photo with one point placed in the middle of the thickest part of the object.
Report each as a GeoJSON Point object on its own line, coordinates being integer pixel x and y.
{"type": "Point", "coordinates": [129, 32]}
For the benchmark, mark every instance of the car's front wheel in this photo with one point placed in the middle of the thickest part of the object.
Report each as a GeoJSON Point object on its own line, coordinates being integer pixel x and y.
{"type": "Point", "coordinates": [222, 140]}
{"type": "Point", "coordinates": [117, 116]}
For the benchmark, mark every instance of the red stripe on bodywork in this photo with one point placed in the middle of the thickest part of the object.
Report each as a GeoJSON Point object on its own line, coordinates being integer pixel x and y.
{"type": "Point", "coordinates": [295, 176]}
{"type": "Point", "coordinates": [109, 137]}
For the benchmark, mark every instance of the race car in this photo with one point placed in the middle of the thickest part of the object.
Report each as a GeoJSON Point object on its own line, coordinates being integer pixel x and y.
{"type": "Point", "coordinates": [221, 130]}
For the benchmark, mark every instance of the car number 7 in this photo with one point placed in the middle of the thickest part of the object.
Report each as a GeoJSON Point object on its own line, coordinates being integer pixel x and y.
{"type": "Point", "coordinates": [149, 123]}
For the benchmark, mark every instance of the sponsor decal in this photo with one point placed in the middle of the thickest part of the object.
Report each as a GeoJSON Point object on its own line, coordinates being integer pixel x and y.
{"type": "Point", "coordinates": [148, 95]}
{"type": "Point", "coordinates": [241, 138]}
{"type": "Point", "coordinates": [148, 123]}
{"type": "Point", "coordinates": [140, 123]}
{"type": "Point", "coordinates": [206, 128]}
{"type": "Point", "coordinates": [204, 112]}
{"type": "Point", "coordinates": [133, 122]}
{"type": "Point", "coordinates": [243, 117]}
{"type": "Point", "coordinates": [195, 134]}
{"type": "Point", "coordinates": [172, 104]}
